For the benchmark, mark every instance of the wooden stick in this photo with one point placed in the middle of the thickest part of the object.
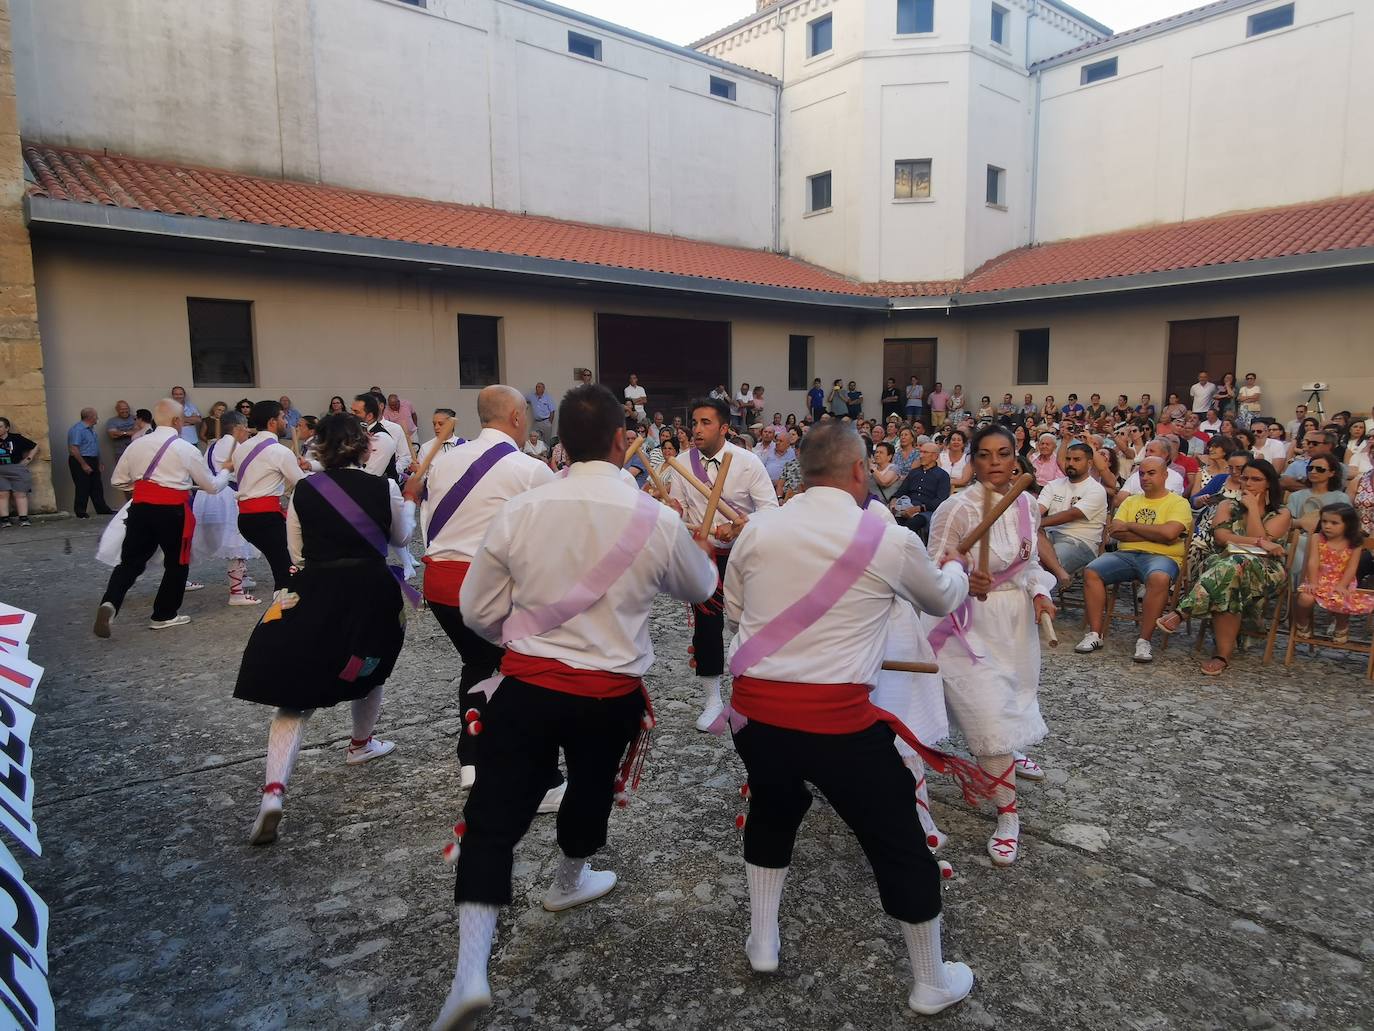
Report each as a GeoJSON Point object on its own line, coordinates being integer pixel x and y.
{"type": "Point", "coordinates": [713, 502]}
{"type": "Point", "coordinates": [634, 450]}
{"type": "Point", "coordinates": [984, 544]}
{"type": "Point", "coordinates": [976, 534]}
{"type": "Point", "coordinates": [1047, 624]}
{"type": "Point", "coordinates": [419, 475]}
{"type": "Point", "coordinates": [912, 667]}
{"type": "Point", "coordinates": [686, 474]}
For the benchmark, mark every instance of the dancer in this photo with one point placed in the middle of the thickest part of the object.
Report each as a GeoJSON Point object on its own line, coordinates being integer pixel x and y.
{"type": "Point", "coordinates": [466, 487]}
{"type": "Point", "coordinates": [566, 577]}
{"type": "Point", "coordinates": [266, 470]}
{"type": "Point", "coordinates": [217, 533]}
{"type": "Point", "coordinates": [800, 706]}
{"type": "Point", "coordinates": [381, 455]}
{"type": "Point", "coordinates": [160, 468]}
{"type": "Point", "coordinates": [445, 424]}
{"type": "Point", "coordinates": [989, 650]}
{"type": "Point", "coordinates": [747, 489]}
{"type": "Point", "coordinates": [334, 635]}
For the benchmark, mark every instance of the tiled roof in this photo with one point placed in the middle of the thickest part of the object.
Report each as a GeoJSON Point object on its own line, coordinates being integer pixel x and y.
{"type": "Point", "coordinates": [126, 182]}
{"type": "Point", "coordinates": [918, 288]}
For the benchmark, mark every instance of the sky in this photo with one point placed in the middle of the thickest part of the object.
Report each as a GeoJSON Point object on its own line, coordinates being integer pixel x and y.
{"type": "Point", "coordinates": [684, 22]}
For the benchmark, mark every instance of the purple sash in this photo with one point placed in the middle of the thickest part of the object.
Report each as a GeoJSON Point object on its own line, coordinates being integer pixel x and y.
{"type": "Point", "coordinates": [594, 584]}
{"type": "Point", "coordinates": [698, 466]}
{"type": "Point", "coordinates": [152, 466]}
{"type": "Point", "coordinates": [367, 528]}
{"type": "Point", "coordinates": [458, 493]}
{"type": "Point", "coordinates": [816, 602]}
{"type": "Point", "coordinates": [243, 469]}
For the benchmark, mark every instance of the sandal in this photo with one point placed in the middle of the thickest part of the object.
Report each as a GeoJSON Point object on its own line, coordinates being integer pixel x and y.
{"type": "Point", "coordinates": [1340, 636]}
{"type": "Point", "coordinates": [1215, 672]}
{"type": "Point", "coordinates": [1170, 622]}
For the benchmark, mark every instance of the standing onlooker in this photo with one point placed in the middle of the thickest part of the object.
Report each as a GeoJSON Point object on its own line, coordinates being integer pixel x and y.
{"type": "Point", "coordinates": [892, 398]}
{"type": "Point", "coordinates": [1225, 398]}
{"type": "Point", "coordinates": [915, 399]}
{"type": "Point", "coordinates": [815, 400]}
{"type": "Point", "coordinates": [542, 409]}
{"type": "Point", "coordinates": [721, 393]}
{"type": "Point", "coordinates": [955, 408]}
{"type": "Point", "coordinates": [756, 406]}
{"type": "Point", "coordinates": [190, 416]}
{"type": "Point", "coordinates": [17, 452]}
{"type": "Point", "coordinates": [1203, 392]}
{"type": "Point", "coordinates": [838, 400]}
{"type": "Point", "coordinates": [120, 428]}
{"type": "Point", "coordinates": [1249, 400]}
{"type": "Point", "coordinates": [83, 459]}
{"type": "Point", "coordinates": [856, 401]}
{"type": "Point", "coordinates": [938, 402]}
{"type": "Point", "coordinates": [398, 410]}
{"type": "Point", "coordinates": [739, 408]}
{"type": "Point", "coordinates": [637, 396]}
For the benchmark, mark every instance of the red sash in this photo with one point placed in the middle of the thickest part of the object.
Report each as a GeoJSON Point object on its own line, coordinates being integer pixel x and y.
{"type": "Point", "coordinates": [146, 492]}
{"type": "Point", "coordinates": [444, 579]}
{"type": "Point", "coordinates": [270, 503]}
{"type": "Point", "coordinates": [558, 676]}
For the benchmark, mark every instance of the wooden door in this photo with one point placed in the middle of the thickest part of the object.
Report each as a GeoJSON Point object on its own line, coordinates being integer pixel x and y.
{"type": "Point", "coordinates": [905, 358]}
{"type": "Point", "coordinates": [676, 360]}
{"type": "Point", "coordinates": [1196, 345]}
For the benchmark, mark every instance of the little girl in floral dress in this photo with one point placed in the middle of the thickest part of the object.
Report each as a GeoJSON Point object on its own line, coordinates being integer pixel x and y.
{"type": "Point", "coordinates": [1329, 579]}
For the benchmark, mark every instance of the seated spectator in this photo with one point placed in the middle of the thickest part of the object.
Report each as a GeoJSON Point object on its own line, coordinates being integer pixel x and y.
{"type": "Point", "coordinates": [1173, 478]}
{"type": "Point", "coordinates": [1096, 410]}
{"type": "Point", "coordinates": [536, 448]}
{"type": "Point", "coordinates": [922, 491]}
{"type": "Point", "coordinates": [1271, 450]}
{"type": "Point", "coordinates": [1214, 471]}
{"type": "Point", "coordinates": [1239, 579]}
{"type": "Point", "coordinates": [1174, 409]}
{"type": "Point", "coordinates": [1045, 461]}
{"type": "Point", "coordinates": [1073, 511]}
{"type": "Point", "coordinates": [1151, 531]}
{"type": "Point", "coordinates": [1190, 441]}
{"type": "Point", "coordinates": [1122, 410]}
{"type": "Point", "coordinates": [1211, 425]}
{"type": "Point", "coordinates": [1006, 411]}
{"type": "Point", "coordinates": [1184, 464]}
{"type": "Point", "coordinates": [1200, 545]}
{"type": "Point", "coordinates": [1357, 458]}
{"type": "Point", "coordinates": [905, 454]}
{"type": "Point", "coordinates": [1146, 408]}
{"type": "Point", "coordinates": [1319, 444]}
{"type": "Point", "coordinates": [1305, 506]}
{"type": "Point", "coordinates": [1073, 411]}
{"type": "Point", "coordinates": [1029, 409]}
{"type": "Point", "coordinates": [777, 452]}
{"type": "Point", "coordinates": [954, 460]}
{"type": "Point", "coordinates": [985, 409]}
{"type": "Point", "coordinates": [638, 466]}
{"type": "Point", "coordinates": [883, 477]}
{"type": "Point", "coordinates": [1329, 574]}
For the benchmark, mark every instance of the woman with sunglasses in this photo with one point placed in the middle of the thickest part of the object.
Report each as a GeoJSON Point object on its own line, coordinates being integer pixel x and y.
{"type": "Point", "coordinates": [1238, 581]}
{"type": "Point", "coordinates": [1325, 486]}
{"type": "Point", "coordinates": [244, 408]}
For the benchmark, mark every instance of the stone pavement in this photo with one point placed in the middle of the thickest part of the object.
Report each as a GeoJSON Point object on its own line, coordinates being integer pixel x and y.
{"type": "Point", "coordinates": [1197, 858]}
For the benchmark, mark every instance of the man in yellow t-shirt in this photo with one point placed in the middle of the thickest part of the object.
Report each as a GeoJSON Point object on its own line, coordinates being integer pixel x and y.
{"type": "Point", "coordinates": [1151, 530]}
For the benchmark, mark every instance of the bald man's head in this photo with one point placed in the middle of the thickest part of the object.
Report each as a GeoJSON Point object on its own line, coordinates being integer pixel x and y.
{"type": "Point", "coordinates": [1154, 476]}
{"type": "Point", "coordinates": [502, 408]}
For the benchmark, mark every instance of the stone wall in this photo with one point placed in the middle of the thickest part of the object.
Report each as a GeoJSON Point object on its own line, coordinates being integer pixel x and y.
{"type": "Point", "coordinates": [22, 399]}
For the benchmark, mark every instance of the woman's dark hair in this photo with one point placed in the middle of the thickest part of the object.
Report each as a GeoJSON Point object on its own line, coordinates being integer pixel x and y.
{"type": "Point", "coordinates": [991, 430]}
{"type": "Point", "coordinates": [964, 436]}
{"type": "Point", "coordinates": [1274, 501]}
{"type": "Point", "coordinates": [1114, 459]}
{"type": "Point", "coordinates": [341, 441]}
{"type": "Point", "coordinates": [1225, 445]}
{"type": "Point", "coordinates": [143, 415]}
{"type": "Point", "coordinates": [310, 421]}
{"type": "Point", "coordinates": [1351, 518]}
{"type": "Point", "coordinates": [588, 419]}
{"type": "Point", "coordinates": [343, 405]}
{"type": "Point", "coordinates": [1337, 481]}
{"type": "Point", "coordinates": [891, 451]}
{"type": "Point", "coordinates": [791, 420]}
{"type": "Point", "coordinates": [241, 403]}
{"type": "Point", "coordinates": [1244, 439]}
{"type": "Point", "coordinates": [667, 439]}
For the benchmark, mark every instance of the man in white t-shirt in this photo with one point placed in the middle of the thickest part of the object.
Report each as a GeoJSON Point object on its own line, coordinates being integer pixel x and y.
{"type": "Point", "coordinates": [1073, 510]}
{"type": "Point", "coordinates": [1202, 393]}
{"type": "Point", "coordinates": [1211, 422]}
{"type": "Point", "coordinates": [635, 395]}
{"type": "Point", "coordinates": [1267, 447]}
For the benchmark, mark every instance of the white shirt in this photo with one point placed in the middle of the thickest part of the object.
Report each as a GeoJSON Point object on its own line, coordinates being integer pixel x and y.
{"type": "Point", "coordinates": [540, 544]}
{"type": "Point", "coordinates": [636, 395]}
{"type": "Point", "coordinates": [402, 523]}
{"type": "Point", "coordinates": [269, 474]}
{"type": "Point", "coordinates": [382, 454]}
{"type": "Point", "coordinates": [398, 437]}
{"type": "Point", "coordinates": [428, 446]}
{"type": "Point", "coordinates": [1172, 481]}
{"type": "Point", "coordinates": [747, 487]}
{"type": "Point", "coordinates": [955, 469]}
{"type": "Point", "coordinates": [1089, 497]}
{"type": "Point", "coordinates": [1210, 426]}
{"type": "Point", "coordinates": [181, 464]}
{"type": "Point", "coordinates": [1202, 394]}
{"type": "Point", "coordinates": [1273, 450]}
{"type": "Point", "coordinates": [220, 451]}
{"type": "Point", "coordinates": [784, 552]}
{"type": "Point", "coordinates": [513, 475]}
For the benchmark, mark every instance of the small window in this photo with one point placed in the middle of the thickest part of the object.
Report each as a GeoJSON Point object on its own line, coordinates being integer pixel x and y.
{"type": "Point", "coordinates": [1032, 356]}
{"type": "Point", "coordinates": [584, 46]}
{"type": "Point", "coordinates": [997, 186]}
{"type": "Point", "coordinates": [221, 335]}
{"type": "Point", "coordinates": [479, 350]}
{"type": "Point", "coordinates": [1268, 21]}
{"type": "Point", "coordinates": [723, 88]}
{"type": "Point", "coordinates": [912, 180]}
{"type": "Point", "coordinates": [818, 192]}
{"type": "Point", "coordinates": [1097, 71]}
{"type": "Point", "coordinates": [414, 3]}
{"type": "Point", "coordinates": [798, 362]}
{"type": "Point", "coordinates": [915, 16]}
{"type": "Point", "coordinates": [820, 35]}
{"type": "Point", "coordinates": [1001, 29]}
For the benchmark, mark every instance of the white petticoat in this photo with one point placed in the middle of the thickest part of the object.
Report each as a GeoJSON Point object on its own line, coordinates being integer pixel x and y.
{"type": "Point", "coordinates": [217, 528]}
{"type": "Point", "coordinates": [112, 539]}
{"type": "Point", "coordinates": [917, 699]}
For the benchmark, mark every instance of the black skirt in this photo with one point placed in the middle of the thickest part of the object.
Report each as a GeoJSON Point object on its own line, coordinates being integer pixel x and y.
{"type": "Point", "coordinates": [335, 645]}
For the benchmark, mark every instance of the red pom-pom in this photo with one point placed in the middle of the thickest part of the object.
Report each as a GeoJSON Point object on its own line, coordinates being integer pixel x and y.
{"type": "Point", "coordinates": [460, 828]}
{"type": "Point", "coordinates": [692, 663]}
{"type": "Point", "coordinates": [475, 727]}
{"type": "Point", "coordinates": [946, 871]}
{"type": "Point", "coordinates": [744, 791]}
{"type": "Point", "coordinates": [451, 853]}
{"type": "Point", "coordinates": [739, 822]}
{"type": "Point", "coordinates": [471, 715]}
{"type": "Point", "coordinates": [691, 649]}
{"type": "Point", "coordinates": [932, 840]}
{"type": "Point", "coordinates": [622, 800]}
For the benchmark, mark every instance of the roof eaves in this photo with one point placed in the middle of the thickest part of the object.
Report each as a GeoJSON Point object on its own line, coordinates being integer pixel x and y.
{"type": "Point", "coordinates": [1154, 28]}
{"type": "Point", "coordinates": [735, 26]}
{"type": "Point", "coordinates": [1077, 15]}
{"type": "Point", "coordinates": [46, 213]}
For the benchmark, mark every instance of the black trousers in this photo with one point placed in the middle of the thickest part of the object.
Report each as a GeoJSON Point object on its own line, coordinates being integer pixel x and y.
{"type": "Point", "coordinates": [151, 527]}
{"type": "Point", "coordinates": [870, 788]}
{"type": "Point", "coordinates": [266, 531]}
{"type": "Point", "coordinates": [88, 487]}
{"type": "Point", "coordinates": [523, 728]}
{"type": "Point", "coordinates": [481, 659]}
{"type": "Point", "coordinates": [708, 644]}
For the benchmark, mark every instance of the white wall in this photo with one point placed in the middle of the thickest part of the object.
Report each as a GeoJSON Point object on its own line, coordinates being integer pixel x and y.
{"type": "Point", "coordinates": [473, 101]}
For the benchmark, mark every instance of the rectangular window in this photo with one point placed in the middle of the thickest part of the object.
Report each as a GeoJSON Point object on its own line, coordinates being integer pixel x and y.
{"type": "Point", "coordinates": [798, 362]}
{"type": "Point", "coordinates": [723, 88]}
{"type": "Point", "coordinates": [818, 192]}
{"type": "Point", "coordinates": [221, 342]}
{"type": "Point", "coordinates": [911, 180]}
{"type": "Point", "coordinates": [584, 46]}
{"type": "Point", "coordinates": [997, 186]}
{"type": "Point", "coordinates": [1268, 21]}
{"type": "Point", "coordinates": [820, 35]}
{"type": "Point", "coordinates": [1001, 28]}
{"type": "Point", "coordinates": [915, 16]}
{"type": "Point", "coordinates": [479, 350]}
{"type": "Point", "coordinates": [1032, 356]}
{"type": "Point", "coordinates": [1097, 71]}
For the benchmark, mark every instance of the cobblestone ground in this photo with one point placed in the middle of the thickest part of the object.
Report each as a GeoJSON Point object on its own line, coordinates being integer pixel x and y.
{"type": "Point", "coordinates": [1197, 858]}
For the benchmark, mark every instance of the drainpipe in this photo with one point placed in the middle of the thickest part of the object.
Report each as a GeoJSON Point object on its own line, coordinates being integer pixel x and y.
{"type": "Point", "coordinates": [777, 133]}
{"type": "Point", "coordinates": [1035, 131]}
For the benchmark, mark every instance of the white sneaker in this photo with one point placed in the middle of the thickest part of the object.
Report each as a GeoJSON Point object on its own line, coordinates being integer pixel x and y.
{"type": "Point", "coordinates": [930, 999]}
{"type": "Point", "coordinates": [709, 715]}
{"type": "Point", "coordinates": [194, 585]}
{"type": "Point", "coordinates": [462, 1008]}
{"type": "Point", "coordinates": [104, 616]}
{"type": "Point", "coordinates": [372, 748]}
{"type": "Point", "coordinates": [1092, 641]}
{"type": "Point", "coordinates": [1026, 767]}
{"type": "Point", "coordinates": [269, 816]}
{"type": "Point", "coordinates": [1143, 651]}
{"type": "Point", "coordinates": [467, 777]}
{"type": "Point", "coordinates": [163, 624]}
{"type": "Point", "coordinates": [244, 599]}
{"type": "Point", "coordinates": [591, 884]}
{"type": "Point", "coordinates": [762, 958]}
{"type": "Point", "coordinates": [553, 798]}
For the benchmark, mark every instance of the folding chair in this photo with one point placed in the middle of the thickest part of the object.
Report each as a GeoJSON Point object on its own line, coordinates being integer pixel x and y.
{"type": "Point", "coordinates": [1176, 592]}
{"type": "Point", "coordinates": [1315, 642]}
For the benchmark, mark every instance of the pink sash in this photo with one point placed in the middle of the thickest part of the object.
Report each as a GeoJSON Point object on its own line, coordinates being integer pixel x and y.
{"type": "Point", "coordinates": [594, 584]}
{"type": "Point", "coordinates": [806, 610]}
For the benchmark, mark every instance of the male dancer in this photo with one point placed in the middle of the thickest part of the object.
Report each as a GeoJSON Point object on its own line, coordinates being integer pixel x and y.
{"type": "Point", "coordinates": [159, 468]}
{"type": "Point", "coordinates": [747, 489]}
{"type": "Point", "coordinates": [566, 576]}
{"type": "Point", "coordinates": [381, 459]}
{"type": "Point", "coordinates": [467, 487]}
{"type": "Point", "coordinates": [802, 676]}
{"type": "Point", "coordinates": [266, 469]}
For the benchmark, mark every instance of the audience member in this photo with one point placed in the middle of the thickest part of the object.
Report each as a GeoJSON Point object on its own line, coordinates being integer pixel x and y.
{"type": "Point", "coordinates": [83, 459]}
{"type": "Point", "coordinates": [17, 453]}
{"type": "Point", "coordinates": [190, 416]}
{"type": "Point", "coordinates": [922, 490]}
{"type": "Point", "coordinates": [1073, 513]}
{"type": "Point", "coordinates": [120, 427]}
{"type": "Point", "coordinates": [1329, 575]}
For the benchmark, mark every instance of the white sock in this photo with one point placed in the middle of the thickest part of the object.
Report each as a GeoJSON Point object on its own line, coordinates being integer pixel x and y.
{"type": "Point", "coordinates": [712, 685]}
{"type": "Point", "coordinates": [918, 770]}
{"type": "Point", "coordinates": [476, 928]}
{"type": "Point", "coordinates": [284, 743]}
{"type": "Point", "coordinates": [765, 896]}
{"type": "Point", "coordinates": [238, 569]}
{"type": "Point", "coordinates": [923, 948]}
{"type": "Point", "coordinates": [365, 710]}
{"type": "Point", "coordinates": [569, 874]}
{"type": "Point", "coordinates": [1001, 766]}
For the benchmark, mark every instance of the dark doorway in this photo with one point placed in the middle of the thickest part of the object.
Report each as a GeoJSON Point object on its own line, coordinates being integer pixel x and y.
{"type": "Point", "coordinates": [903, 359]}
{"type": "Point", "coordinates": [1196, 345]}
{"type": "Point", "coordinates": [675, 359]}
